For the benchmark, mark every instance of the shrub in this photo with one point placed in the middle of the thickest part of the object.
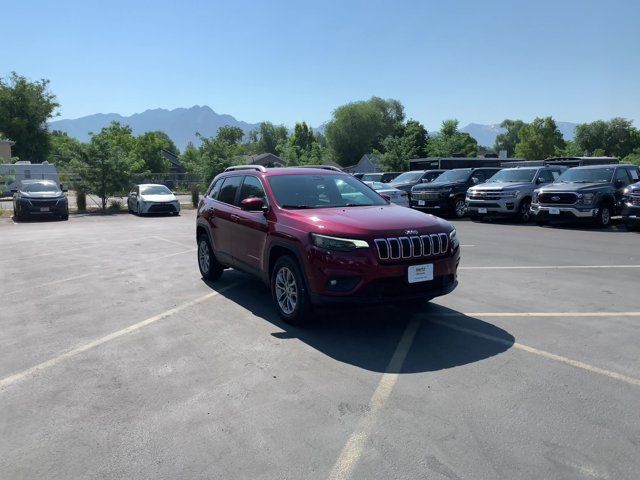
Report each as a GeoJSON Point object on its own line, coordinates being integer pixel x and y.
{"type": "Point", "coordinates": [81, 200]}
{"type": "Point", "coordinates": [115, 205]}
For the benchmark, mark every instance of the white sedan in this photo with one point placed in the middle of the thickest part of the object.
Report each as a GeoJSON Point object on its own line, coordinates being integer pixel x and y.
{"type": "Point", "coordinates": [152, 198]}
{"type": "Point", "coordinates": [396, 196]}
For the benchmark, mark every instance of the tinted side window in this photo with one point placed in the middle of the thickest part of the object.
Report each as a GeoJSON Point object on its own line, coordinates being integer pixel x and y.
{"type": "Point", "coordinates": [251, 188]}
{"type": "Point", "coordinates": [215, 189]}
{"type": "Point", "coordinates": [228, 190]}
{"type": "Point", "coordinates": [480, 175]}
{"type": "Point", "coordinates": [635, 176]}
{"type": "Point", "coordinates": [621, 174]}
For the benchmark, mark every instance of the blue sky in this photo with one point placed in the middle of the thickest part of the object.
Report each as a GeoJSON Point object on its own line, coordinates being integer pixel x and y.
{"type": "Point", "coordinates": [285, 61]}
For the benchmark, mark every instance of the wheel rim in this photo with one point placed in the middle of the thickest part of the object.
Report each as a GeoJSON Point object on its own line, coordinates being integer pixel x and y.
{"type": "Point", "coordinates": [461, 208]}
{"type": "Point", "coordinates": [606, 217]}
{"type": "Point", "coordinates": [204, 259]}
{"type": "Point", "coordinates": [525, 213]}
{"type": "Point", "coordinates": [286, 290]}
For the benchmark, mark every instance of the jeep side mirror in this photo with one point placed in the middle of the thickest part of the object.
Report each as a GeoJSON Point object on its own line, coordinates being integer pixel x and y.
{"type": "Point", "coordinates": [475, 180]}
{"type": "Point", "coordinates": [252, 204]}
{"type": "Point", "coordinates": [541, 180]}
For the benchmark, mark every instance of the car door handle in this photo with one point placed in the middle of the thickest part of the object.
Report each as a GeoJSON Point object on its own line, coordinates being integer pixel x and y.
{"type": "Point", "coordinates": [234, 218]}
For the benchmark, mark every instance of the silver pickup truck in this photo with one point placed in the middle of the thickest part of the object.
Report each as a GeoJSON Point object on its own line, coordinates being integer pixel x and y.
{"type": "Point", "coordinates": [508, 193]}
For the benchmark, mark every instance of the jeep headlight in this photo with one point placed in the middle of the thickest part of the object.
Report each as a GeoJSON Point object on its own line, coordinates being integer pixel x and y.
{"type": "Point", "coordinates": [453, 237]}
{"type": "Point", "coordinates": [587, 198]}
{"type": "Point", "coordinates": [337, 244]}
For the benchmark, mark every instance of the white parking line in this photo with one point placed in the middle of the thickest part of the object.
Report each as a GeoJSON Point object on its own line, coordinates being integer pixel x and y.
{"type": "Point", "coordinates": [541, 353]}
{"type": "Point", "coordinates": [171, 241]}
{"type": "Point", "coordinates": [11, 379]}
{"type": "Point", "coordinates": [548, 267]}
{"type": "Point", "coordinates": [354, 447]}
{"type": "Point", "coordinates": [541, 314]}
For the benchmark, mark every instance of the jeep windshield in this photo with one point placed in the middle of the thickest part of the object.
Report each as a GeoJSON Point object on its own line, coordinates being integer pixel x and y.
{"type": "Point", "coordinates": [587, 175]}
{"type": "Point", "coordinates": [322, 191]}
{"type": "Point", "coordinates": [519, 175]}
{"type": "Point", "coordinates": [458, 175]}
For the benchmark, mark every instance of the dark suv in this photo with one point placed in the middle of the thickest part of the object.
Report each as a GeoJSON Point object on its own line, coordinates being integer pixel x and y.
{"type": "Point", "coordinates": [447, 194]}
{"type": "Point", "coordinates": [407, 180]}
{"type": "Point", "coordinates": [321, 237]}
{"type": "Point", "coordinates": [631, 206]}
{"type": "Point", "coordinates": [39, 198]}
{"type": "Point", "coordinates": [592, 193]}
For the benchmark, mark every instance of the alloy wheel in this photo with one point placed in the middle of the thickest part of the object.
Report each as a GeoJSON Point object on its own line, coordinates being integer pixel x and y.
{"type": "Point", "coordinates": [286, 290]}
{"type": "Point", "coordinates": [204, 258]}
{"type": "Point", "coordinates": [605, 216]}
{"type": "Point", "coordinates": [461, 208]}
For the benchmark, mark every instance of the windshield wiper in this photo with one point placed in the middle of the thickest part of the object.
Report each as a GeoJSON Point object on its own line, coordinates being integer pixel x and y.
{"type": "Point", "coordinates": [295, 207]}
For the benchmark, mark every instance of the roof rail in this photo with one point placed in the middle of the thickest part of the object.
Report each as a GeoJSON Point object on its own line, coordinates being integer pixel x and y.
{"type": "Point", "coordinates": [322, 167]}
{"type": "Point", "coordinates": [259, 168]}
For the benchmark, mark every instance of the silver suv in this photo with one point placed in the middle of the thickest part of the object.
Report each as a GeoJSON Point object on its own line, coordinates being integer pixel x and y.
{"type": "Point", "coordinates": [508, 193]}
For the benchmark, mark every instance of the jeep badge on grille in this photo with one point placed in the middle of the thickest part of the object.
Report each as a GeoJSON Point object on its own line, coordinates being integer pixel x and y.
{"type": "Point", "coordinates": [411, 232]}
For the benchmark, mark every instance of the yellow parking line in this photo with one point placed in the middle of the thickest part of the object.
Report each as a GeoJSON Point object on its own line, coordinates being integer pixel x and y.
{"type": "Point", "coordinates": [354, 447]}
{"type": "Point", "coordinates": [11, 379]}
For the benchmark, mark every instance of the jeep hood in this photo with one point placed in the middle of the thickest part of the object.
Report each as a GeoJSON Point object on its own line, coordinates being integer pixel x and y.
{"type": "Point", "coordinates": [363, 222]}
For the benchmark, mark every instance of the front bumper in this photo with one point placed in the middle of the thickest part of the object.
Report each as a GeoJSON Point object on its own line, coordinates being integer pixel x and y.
{"type": "Point", "coordinates": [564, 213]}
{"type": "Point", "coordinates": [160, 207]}
{"type": "Point", "coordinates": [443, 204]}
{"type": "Point", "coordinates": [501, 206]}
{"type": "Point", "coordinates": [362, 279]}
{"type": "Point", "coordinates": [43, 208]}
{"type": "Point", "coordinates": [631, 214]}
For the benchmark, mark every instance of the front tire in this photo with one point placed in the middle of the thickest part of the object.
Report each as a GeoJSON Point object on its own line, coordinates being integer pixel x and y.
{"type": "Point", "coordinates": [209, 267]}
{"type": "Point", "coordinates": [603, 218]}
{"type": "Point", "coordinates": [289, 292]}
{"type": "Point", "coordinates": [524, 211]}
{"type": "Point", "coordinates": [459, 207]}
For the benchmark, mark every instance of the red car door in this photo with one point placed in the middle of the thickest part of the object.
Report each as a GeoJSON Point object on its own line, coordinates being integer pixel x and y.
{"type": "Point", "coordinates": [221, 216]}
{"type": "Point", "coordinates": [250, 231]}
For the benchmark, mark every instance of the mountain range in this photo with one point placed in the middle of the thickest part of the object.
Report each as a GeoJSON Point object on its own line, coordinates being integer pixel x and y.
{"type": "Point", "coordinates": [181, 124]}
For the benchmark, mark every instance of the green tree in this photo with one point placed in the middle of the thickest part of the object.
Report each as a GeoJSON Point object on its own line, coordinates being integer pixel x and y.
{"type": "Point", "coordinates": [633, 157]}
{"type": "Point", "coordinates": [25, 108]}
{"type": "Point", "coordinates": [190, 157]}
{"type": "Point", "coordinates": [302, 137]}
{"type": "Point", "coordinates": [104, 166]}
{"type": "Point", "coordinates": [231, 135]}
{"type": "Point", "coordinates": [64, 149]}
{"type": "Point", "coordinates": [617, 137]}
{"type": "Point", "coordinates": [392, 112]}
{"type": "Point", "coordinates": [268, 137]}
{"type": "Point", "coordinates": [397, 151]}
{"type": "Point", "coordinates": [353, 131]}
{"type": "Point", "coordinates": [571, 149]}
{"type": "Point", "coordinates": [450, 141]}
{"type": "Point", "coordinates": [509, 139]}
{"type": "Point", "coordinates": [539, 139]}
{"type": "Point", "coordinates": [416, 138]}
{"type": "Point", "coordinates": [148, 153]}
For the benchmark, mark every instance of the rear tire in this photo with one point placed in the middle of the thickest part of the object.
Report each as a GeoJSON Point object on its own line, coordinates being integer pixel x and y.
{"type": "Point", "coordinates": [289, 292]}
{"type": "Point", "coordinates": [209, 267]}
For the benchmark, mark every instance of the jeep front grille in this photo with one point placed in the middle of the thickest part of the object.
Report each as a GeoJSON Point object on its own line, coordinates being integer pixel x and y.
{"type": "Point", "coordinates": [425, 194]}
{"type": "Point", "coordinates": [399, 248]}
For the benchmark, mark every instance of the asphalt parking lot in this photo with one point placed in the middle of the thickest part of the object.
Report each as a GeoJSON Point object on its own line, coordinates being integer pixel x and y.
{"type": "Point", "coordinates": [118, 361]}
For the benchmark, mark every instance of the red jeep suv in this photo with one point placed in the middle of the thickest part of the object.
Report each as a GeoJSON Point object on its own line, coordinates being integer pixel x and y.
{"type": "Point", "coordinates": [320, 236]}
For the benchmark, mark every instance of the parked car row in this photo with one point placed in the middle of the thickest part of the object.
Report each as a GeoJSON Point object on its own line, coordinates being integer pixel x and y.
{"type": "Point", "coordinates": [47, 199]}
{"type": "Point", "coordinates": [546, 193]}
